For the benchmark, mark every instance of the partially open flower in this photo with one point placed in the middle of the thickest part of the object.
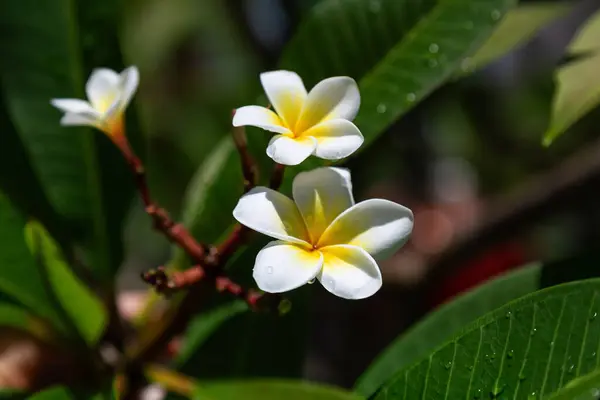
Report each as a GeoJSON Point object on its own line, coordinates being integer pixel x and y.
{"type": "Point", "coordinates": [108, 93]}
{"type": "Point", "coordinates": [322, 234]}
{"type": "Point", "coordinates": [316, 123]}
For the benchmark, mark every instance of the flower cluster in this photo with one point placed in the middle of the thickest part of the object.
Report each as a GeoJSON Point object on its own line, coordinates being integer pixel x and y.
{"type": "Point", "coordinates": [321, 233]}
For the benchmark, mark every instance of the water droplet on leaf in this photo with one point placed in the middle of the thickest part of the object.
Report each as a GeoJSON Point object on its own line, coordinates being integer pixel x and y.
{"type": "Point", "coordinates": [375, 6]}
{"type": "Point", "coordinates": [448, 365]}
{"type": "Point", "coordinates": [508, 314]}
{"type": "Point", "coordinates": [496, 15]}
{"type": "Point", "coordinates": [381, 108]}
{"type": "Point", "coordinates": [434, 48]}
{"type": "Point", "coordinates": [433, 63]}
{"type": "Point", "coordinates": [571, 369]}
{"type": "Point", "coordinates": [411, 97]}
{"type": "Point", "coordinates": [532, 396]}
{"type": "Point", "coordinates": [593, 317]}
{"type": "Point", "coordinates": [522, 376]}
{"type": "Point", "coordinates": [497, 391]}
{"type": "Point", "coordinates": [510, 354]}
{"type": "Point", "coordinates": [477, 394]}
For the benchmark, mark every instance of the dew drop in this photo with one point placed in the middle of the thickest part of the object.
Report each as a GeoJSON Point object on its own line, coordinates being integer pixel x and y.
{"type": "Point", "coordinates": [593, 317]}
{"type": "Point", "coordinates": [448, 365]}
{"type": "Point", "coordinates": [496, 15]}
{"type": "Point", "coordinates": [522, 376]}
{"type": "Point", "coordinates": [269, 270]}
{"type": "Point", "coordinates": [470, 368]}
{"type": "Point", "coordinates": [510, 354]}
{"type": "Point", "coordinates": [595, 393]}
{"type": "Point", "coordinates": [434, 48]}
{"type": "Point", "coordinates": [477, 394]}
{"type": "Point", "coordinates": [508, 314]}
{"type": "Point", "coordinates": [552, 344]}
{"type": "Point", "coordinates": [593, 355]}
{"type": "Point", "coordinates": [375, 6]}
{"type": "Point", "coordinates": [532, 396]}
{"type": "Point", "coordinates": [311, 281]}
{"type": "Point", "coordinates": [533, 331]}
{"type": "Point", "coordinates": [571, 369]}
{"type": "Point", "coordinates": [381, 108]}
{"type": "Point", "coordinates": [497, 391]}
{"type": "Point", "coordinates": [411, 97]}
{"type": "Point", "coordinates": [467, 65]}
{"type": "Point", "coordinates": [433, 63]}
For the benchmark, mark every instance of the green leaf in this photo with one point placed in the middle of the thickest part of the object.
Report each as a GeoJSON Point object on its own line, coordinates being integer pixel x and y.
{"type": "Point", "coordinates": [519, 26]}
{"type": "Point", "coordinates": [532, 346]}
{"type": "Point", "coordinates": [16, 317]}
{"type": "Point", "coordinates": [80, 171]}
{"type": "Point", "coordinates": [21, 277]}
{"type": "Point", "coordinates": [54, 393]}
{"type": "Point", "coordinates": [578, 82]}
{"type": "Point", "coordinates": [398, 50]}
{"type": "Point", "coordinates": [449, 318]}
{"type": "Point", "coordinates": [201, 327]}
{"type": "Point", "coordinates": [83, 309]}
{"type": "Point", "coordinates": [586, 387]}
{"type": "Point", "coordinates": [271, 390]}
{"type": "Point", "coordinates": [436, 327]}
{"type": "Point", "coordinates": [12, 394]}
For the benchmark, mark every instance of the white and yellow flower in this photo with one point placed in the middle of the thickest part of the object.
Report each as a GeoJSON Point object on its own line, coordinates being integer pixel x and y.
{"type": "Point", "coordinates": [109, 93]}
{"type": "Point", "coordinates": [316, 123]}
{"type": "Point", "coordinates": [323, 234]}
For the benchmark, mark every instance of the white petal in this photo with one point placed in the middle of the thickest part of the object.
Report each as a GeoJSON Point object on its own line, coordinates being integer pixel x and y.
{"type": "Point", "coordinates": [102, 88]}
{"type": "Point", "coordinates": [70, 119]}
{"type": "Point", "coordinates": [130, 79]}
{"type": "Point", "coordinates": [286, 92]}
{"type": "Point", "coordinates": [321, 195]}
{"type": "Point", "coordinates": [271, 213]}
{"type": "Point", "coordinates": [378, 226]}
{"type": "Point", "coordinates": [74, 106]}
{"type": "Point", "coordinates": [332, 98]}
{"type": "Point", "coordinates": [349, 272]}
{"type": "Point", "coordinates": [283, 266]}
{"type": "Point", "coordinates": [260, 117]}
{"type": "Point", "coordinates": [336, 138]}
{"type": "Point", "coordinates": [290, 151]}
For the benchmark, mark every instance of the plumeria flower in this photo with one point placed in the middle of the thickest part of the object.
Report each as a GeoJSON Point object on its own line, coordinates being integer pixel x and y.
{"type": "Point", "coordinates": [108, 93]}
{"type": "Point", "coordinates": [323, 234]}
{"type": "Point", "coordinates": [316, 123]}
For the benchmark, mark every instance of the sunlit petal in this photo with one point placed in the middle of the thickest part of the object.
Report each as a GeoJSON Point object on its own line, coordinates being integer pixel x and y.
{"type": "Point", "coordinates": [290, 151]}
{"type": "Point", "coordinates": [283, 266]}
{"type": "Point", "coordinates": [102, 88]}
{"type": "Point", "coordinates": [260, 117]}
{"type": "Point", "coordinates": [336, 138]}
{"type": "Point", "coordinates": [378, 226]}
{"type": "Point", "coordinates": [130, 79]}
{"type": "Point", "coordinates": [271, 213]}
{"type": "Point", "coordinates": [74, 106]}
{"type": "Point", "coordinates": [321, 195]}
{"type": "Point", "coordinates": [349, 272]}
{"type": "Point", "coordinates": [286, 92]}
{"type": "Point", "coordinates": [332, 98]}
{"type": "Point", "coordinates": [70, 119]}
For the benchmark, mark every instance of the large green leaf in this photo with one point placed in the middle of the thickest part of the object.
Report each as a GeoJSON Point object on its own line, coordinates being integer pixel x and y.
{"type": "Point", "coordinates": [80, 171]}
{"type": "Point", "coordinates": [271, 390]}
{"type": "Point", "coordinates": [54, 393]}
{"type": "Point", "coordinates": [449, 318]}
{"type": "Point", "coordinates": [519, 25]}
{"type": "Point", "coordinates": [21, 277]}
{"type": "Point", "coordinates": [578, 82]}
{"type": "Point", "coordinates": [443, 322]}
{"type": "Point", "coordinates": [532, 347]}
{"type": "Point", "coordinates": [398, 50]}
{"type": "Point", "coordinates": [85, 312]}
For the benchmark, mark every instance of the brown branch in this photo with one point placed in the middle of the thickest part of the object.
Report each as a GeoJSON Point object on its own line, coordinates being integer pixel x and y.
{"type": "Point", "coordinates": [545, 194]}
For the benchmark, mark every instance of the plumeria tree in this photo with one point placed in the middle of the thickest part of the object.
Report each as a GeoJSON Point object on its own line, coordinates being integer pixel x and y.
{"type": "Point", "coordinates": [269, 212]}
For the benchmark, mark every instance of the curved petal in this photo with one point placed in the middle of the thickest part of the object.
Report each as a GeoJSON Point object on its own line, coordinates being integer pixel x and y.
{"type": "Point", "coordinates": [102, 88]}
{"type": "Point", "coordinates": [378, 226]}
{"type": "Point", "coordinates": [286, 92]}
{"type": "Point", "coordinates": [260, 117]}
{"type": "Point", "coordinates": [271, 213]}
{"type": "Point", "coordinates": [130, 79]}
{"type": "Point", "coordinates": [74, 106]}
{"type": "Point", "coordinates": [336, 138]}
{"type": "Point", "coordinates": [349, 272]}
{"type": "Point", "coordinates": [281, 266]}
{"type": "Point", "coordinates": [70, 119]}
{"type": "Point", "coordinates": [290, 151]}
{"type": "Point", "coordinates": [321, 195]}
{"type": "Point", "coordinates": [332, 98]}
